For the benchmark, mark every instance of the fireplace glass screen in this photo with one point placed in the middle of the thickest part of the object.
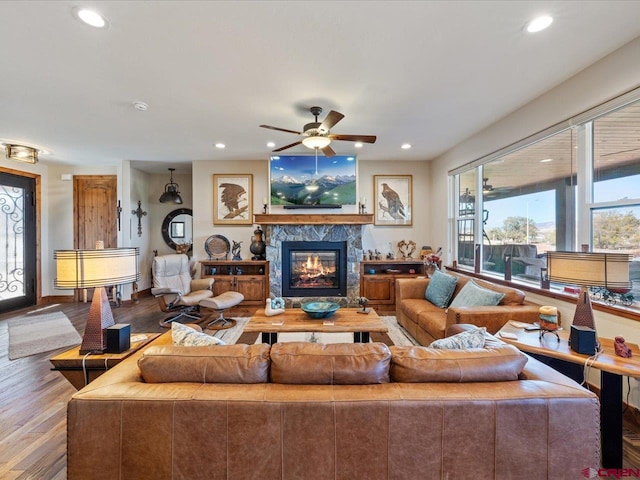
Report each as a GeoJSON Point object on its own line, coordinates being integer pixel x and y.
{"type": "Point", "coordinates": [314, 268]}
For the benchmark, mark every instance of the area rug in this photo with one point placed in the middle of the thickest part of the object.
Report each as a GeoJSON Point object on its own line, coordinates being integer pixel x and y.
{"type": "Point", "coordinates": [398, 335]}
{"type": "Point", "coordinates": [31, 334]}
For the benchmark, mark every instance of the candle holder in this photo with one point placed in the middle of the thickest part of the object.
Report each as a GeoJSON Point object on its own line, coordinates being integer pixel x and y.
{"type": "Point", "coordinates": [264, 208]}
{"type": "Point", "coordinates": [548, 321]}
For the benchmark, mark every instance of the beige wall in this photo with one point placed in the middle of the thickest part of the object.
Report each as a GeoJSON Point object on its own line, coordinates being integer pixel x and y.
{"type": "Point", "coordinates": [373, 236]}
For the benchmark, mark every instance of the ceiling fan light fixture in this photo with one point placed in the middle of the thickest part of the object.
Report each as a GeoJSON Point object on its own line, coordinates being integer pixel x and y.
{"type": "Point", "coordinates": [316, 141]}
{"type": "Point", "coordinates": [21, 153]}
{"type": "Point", "coordinates": [171, 191]}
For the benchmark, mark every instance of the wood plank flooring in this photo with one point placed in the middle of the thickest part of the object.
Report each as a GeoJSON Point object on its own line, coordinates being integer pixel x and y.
{"type": "Point", "coordinates": [33, 399]}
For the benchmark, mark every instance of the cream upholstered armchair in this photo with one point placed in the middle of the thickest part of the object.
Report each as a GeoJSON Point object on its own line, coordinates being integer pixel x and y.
{"type": "Point", "coordinates": [176, 291]}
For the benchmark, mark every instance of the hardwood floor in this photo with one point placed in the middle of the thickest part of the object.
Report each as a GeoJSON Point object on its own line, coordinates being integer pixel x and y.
{"type": "Point", "coordinates": [33, 398]}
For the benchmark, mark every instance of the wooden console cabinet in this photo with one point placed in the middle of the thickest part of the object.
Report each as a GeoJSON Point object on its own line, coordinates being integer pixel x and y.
{"type": "Point", "coordinates": [249, 277]}
{"type": "Point", "coordinates": [378, 280]}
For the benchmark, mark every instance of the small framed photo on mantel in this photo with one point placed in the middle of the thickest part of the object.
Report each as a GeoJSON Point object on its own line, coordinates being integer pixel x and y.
{"type": "Point", "coordinates": [393, 200]}
{"type": "Point", "coordinates": [233, 199]}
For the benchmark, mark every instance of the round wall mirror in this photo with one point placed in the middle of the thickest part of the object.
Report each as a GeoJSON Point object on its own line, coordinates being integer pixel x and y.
{"type": "Point", "coordinates": [177, 228]}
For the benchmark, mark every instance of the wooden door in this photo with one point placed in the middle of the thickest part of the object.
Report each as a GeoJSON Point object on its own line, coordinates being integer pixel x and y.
{"type": "Point", "coordinates": [94, 207]}
{"type": "Point", "coordinates": [95, 200]}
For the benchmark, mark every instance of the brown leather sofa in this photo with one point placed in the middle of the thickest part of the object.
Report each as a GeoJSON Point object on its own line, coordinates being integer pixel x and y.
{"type": "Point", "coordinates": [347, 411]}
{"type": "Point", "coordinates": [426, 322]}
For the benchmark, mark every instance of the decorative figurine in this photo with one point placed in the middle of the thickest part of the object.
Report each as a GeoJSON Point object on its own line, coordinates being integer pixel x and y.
{"type": "Point", "coordinates": [621, 348]}
{"type": "Point", "coordinates": [273, 307]}
{"type": "Point", "coordinates": [236, 250]}
{"type": "Point", "coordinates": [363, 301]}
{"type": "Point", "coordinates": [406, 248]}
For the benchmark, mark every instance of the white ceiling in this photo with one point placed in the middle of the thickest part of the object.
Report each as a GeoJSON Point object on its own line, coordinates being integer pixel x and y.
{"type": "Point", "coordinates": [430, 73]}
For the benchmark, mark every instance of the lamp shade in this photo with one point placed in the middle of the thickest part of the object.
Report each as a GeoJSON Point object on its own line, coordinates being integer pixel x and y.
{"type": "Point", "coordinates": [590, 269]}
{"type": "Point", "coordinates": [95, 268]}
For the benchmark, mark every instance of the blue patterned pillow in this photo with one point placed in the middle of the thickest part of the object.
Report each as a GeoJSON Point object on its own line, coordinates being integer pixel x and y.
{"type": "Point", "coordinates": [440, 288]}
{"type": "Point", "coordinates": [472, 295]}
{"type": "Point", "coordinates": [461, 341]}
{"type": "Point", "coordinates": [188, 337]}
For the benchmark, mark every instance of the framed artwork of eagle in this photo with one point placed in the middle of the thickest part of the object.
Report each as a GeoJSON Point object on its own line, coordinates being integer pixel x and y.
{"type": "Point", "coordinates": [393, 200]}
{"type": "Point", "coordinates": [232, 199]}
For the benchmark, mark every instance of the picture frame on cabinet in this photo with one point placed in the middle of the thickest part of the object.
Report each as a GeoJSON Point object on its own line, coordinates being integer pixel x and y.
{"type": "Point", "coordinates": [233, 199]}
{"type": "Point", "coordinates": [393, 200]}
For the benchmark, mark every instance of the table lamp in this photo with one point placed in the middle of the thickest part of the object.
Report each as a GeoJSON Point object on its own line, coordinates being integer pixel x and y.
{"type": "Point", "coordinates": [589, 269]}
{"type": "Point", "coordinates": [96, 268]}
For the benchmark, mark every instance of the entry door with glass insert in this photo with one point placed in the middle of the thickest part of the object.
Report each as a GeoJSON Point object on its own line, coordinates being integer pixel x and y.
{"type": "Point", "coordinates": [17, 242]}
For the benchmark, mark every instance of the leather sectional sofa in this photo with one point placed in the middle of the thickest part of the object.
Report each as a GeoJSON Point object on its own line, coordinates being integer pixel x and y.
{"type": "Point", "coordinates": [345, 411]}
{"type": "Point", "coordinates": [426, 322]}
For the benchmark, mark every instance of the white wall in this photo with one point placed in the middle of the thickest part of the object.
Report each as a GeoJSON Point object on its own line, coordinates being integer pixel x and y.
{"type": "Point", "coordinates": [612, 76]}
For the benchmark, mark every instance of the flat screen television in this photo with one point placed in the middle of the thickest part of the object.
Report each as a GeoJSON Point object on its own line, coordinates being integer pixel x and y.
{"type": "Point", "coordinates": [304, 180]}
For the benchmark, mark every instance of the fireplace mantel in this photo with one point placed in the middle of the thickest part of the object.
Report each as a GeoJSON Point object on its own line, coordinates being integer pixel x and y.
{"type": "Point", "coordinates": [313, 219]}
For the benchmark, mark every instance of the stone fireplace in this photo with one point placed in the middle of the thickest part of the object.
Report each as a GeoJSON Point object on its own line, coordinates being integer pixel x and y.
{"type": "Point", "coordinates": [323, 229]}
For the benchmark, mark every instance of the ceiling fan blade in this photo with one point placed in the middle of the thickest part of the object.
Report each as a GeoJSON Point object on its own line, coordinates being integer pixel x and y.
{"type": "Point", "coordinates": [328, 151]}
{"type": "Point", "coordinates": [281, 129]}
{"type": "Point", "coordinates": [288, 146]}
{"type": "Point", "coordinates": [330, 120]}
{"type": "Point", "coordinates": [354, 138]}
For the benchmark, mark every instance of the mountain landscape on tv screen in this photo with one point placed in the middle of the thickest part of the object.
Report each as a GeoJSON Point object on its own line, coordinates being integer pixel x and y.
{"type": "Point", "coordinates": [325, 190]}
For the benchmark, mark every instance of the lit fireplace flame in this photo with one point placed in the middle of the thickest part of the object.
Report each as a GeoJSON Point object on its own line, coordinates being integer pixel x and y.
{"type": "Point", "coordinates": [313, 267]}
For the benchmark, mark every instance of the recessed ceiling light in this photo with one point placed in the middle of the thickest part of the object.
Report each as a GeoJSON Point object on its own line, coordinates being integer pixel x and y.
{"type": "Point", "coordinates": [358, 144]}
{"type": "Point", "coordinates": [538, 24]}
{"type": "Point", "coordinates": [220, 145]}
{"type": "Point", "coordinates": [546, 160]}
{"type": "Point", "coordinates": [271, 144]}
{"type": "Point", "coordinates": [406, 146]}
{"type": "Point", "coordinates": [91, 17]}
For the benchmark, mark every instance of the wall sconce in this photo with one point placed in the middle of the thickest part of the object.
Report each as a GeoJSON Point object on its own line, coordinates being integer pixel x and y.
{"type": "Point", "coordinates": [21, 153]}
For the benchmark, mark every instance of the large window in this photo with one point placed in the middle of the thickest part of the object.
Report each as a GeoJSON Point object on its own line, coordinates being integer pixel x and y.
{"type": "Point", "coordinates": [576, 185]}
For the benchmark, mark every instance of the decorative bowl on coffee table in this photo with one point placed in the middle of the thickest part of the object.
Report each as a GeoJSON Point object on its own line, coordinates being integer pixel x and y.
{"type": "Point", "coordinates": [320, 309]}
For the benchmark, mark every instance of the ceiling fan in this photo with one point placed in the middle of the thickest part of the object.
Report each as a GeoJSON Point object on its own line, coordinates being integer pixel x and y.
{"type": "Point", "coordinates": [317, 136]}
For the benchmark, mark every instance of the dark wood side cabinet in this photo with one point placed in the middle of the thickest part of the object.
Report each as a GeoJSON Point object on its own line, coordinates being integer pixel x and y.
{"type": "Point", "coordinates": [378, 280]}
{"type": "Point", "coordinates": [249, 277]}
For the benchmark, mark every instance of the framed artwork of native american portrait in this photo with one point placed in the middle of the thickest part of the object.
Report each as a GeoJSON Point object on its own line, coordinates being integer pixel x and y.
{"type": "Point", "coordinates": [232, 199]}
{"type": "Point", "coordinates": [393, 200]}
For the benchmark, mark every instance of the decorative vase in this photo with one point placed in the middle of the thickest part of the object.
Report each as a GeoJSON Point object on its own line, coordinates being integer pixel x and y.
{"type": "Point", "coordinates": [257, 246]}
{"type": "Point", "coordinates": [430, 268]}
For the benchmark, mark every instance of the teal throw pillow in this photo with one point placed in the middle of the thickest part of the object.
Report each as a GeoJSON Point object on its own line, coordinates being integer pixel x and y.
{"type": "Point", "coordinates": [472, 295]}
{"type": "Point", "coordinates": [440, 288]}
{"type": "Point", "coordinates": [469, 339]}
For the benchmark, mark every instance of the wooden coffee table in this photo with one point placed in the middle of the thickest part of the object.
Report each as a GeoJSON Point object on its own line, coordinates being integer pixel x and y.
{"type": "Point", "coordinates": [295, 320]}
